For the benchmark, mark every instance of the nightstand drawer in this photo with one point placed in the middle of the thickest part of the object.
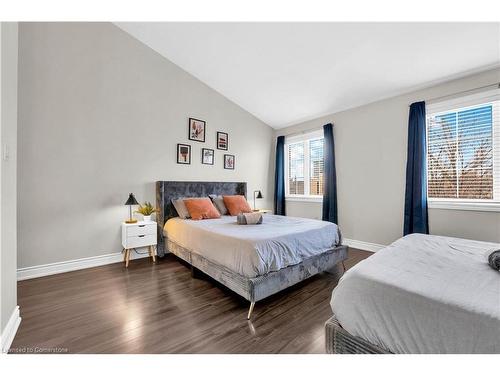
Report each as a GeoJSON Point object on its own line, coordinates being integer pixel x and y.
{"type": "Point", "coordinates": [140, 241]}
{"type": "Point", "coordinates": [141, 230]}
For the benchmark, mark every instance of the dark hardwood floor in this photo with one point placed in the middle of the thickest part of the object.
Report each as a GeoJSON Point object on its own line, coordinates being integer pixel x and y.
{"type": "Point", "coordinates": [160, 308]}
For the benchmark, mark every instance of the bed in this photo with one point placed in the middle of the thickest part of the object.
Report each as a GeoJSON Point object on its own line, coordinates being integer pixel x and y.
{"type": "Point", "coordinates": [253, 261]}
{"type": "Point", "coordinates": [421, 294]}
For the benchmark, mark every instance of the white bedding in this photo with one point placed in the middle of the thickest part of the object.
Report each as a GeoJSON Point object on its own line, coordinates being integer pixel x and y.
{"type": "Point", "coordinates": [423, 294]}
{"type": "Point", "coordinates": [254, 250]}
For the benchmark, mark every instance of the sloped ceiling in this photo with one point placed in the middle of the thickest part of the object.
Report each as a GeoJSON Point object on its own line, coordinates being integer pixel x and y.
{"type": "Point", "coordinates": [286, 73]}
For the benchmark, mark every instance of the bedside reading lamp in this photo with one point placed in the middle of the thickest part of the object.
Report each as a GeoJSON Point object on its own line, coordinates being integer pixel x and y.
{"type": "Point", "coordinates": [131, 201]}
{"type": "Point", "coordinates": [259, 196]}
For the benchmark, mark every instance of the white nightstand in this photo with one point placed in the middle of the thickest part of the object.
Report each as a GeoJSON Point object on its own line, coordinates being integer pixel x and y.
{"type": "Point", "coordinates": [140, 234]}
{"type": "Point", "coordinates": [263, 211]}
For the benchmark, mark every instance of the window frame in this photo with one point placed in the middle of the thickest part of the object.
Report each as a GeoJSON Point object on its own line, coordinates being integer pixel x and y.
{"type": "Point", "coordinates": [490, 97]}
{"type": "Point", "coordinates": [303, 138]}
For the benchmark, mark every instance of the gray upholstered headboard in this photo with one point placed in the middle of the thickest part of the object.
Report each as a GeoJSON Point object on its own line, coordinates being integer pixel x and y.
{"type": "Point", "coordinates": [168, 190]}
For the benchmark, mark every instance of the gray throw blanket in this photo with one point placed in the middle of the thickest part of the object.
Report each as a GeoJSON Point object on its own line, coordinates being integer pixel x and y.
{"type": "Point", "coordinates": [250, 218]}
{"type": "Point", "coordinates": [494, 260]}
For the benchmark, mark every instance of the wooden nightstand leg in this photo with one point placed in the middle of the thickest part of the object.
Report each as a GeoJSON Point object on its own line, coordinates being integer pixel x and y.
{"type": "Point", "coordinates": [152, 252]}
{"type": "Point", "coordinates": [127, 257]}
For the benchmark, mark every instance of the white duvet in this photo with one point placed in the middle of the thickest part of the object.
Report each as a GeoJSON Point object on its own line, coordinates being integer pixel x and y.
{"type": "Point", "coordinates": [423, 294]}
{"type": "Point", "coordinates": [254, 250]}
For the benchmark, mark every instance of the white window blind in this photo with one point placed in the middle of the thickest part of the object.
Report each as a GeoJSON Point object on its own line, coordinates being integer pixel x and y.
{"type": "Point", "coordinates": [304, 165]}
{"type": "Point", "coordinates": [296, 168]}
{"type": "Point", "coordinates": [463, 149]}
{"type": "Point", "coordinates": [316, 167]}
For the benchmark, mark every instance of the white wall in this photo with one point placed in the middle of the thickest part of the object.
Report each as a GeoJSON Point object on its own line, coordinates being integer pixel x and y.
{"type": "Point", "coordinates": [371, 143]}
{"type": "Point", "coordinates": [100, 115]}
{"type": "Point", "coordinates": [8, 167]}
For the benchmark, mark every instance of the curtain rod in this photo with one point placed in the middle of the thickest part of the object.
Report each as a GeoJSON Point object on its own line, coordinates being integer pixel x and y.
{"type": "Point", "coordinates": [302, 132]}
{"type": "Point", "coordinates": [497, 85]}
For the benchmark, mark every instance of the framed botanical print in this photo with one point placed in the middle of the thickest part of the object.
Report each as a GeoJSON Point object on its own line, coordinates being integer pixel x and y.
{"type": "Point", "coordinates": [222, 141]}
{"type": "Point", "coordinates": [183, 154]}
{"type": "Point", "coordinates": [228, 161]}
{"type": "Point", "coordinates": [207, 156]}
{"type": "Point", "coordinates": [197, 130]}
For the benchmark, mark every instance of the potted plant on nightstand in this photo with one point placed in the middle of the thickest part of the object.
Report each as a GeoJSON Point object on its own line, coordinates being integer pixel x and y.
{"type": "Point", "coordinates": [146, 210]}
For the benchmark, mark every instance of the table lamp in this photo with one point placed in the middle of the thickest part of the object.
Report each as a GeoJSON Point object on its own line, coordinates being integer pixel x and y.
{"type": "Point", "coordinates": [131, 201]}
{"type": "Point", "coordinates": [259, 196]}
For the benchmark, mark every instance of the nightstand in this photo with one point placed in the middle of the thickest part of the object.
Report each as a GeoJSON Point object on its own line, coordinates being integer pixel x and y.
{"type": "Point", "coordinates": [263, 211]}
{"type": "Point", "coordinates": [140, 234]}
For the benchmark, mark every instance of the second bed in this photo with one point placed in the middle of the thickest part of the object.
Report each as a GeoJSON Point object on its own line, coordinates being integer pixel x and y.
{"type": "Point", "coordinates": [421, 294]}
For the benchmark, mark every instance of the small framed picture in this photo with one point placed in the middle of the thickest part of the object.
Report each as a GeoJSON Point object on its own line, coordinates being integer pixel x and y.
{"type": "Point", "coordinates": [228, 161]}
{"type": "Point", "coordinates": [207, 156]}
{"type": "Point", "coordinates": [222, 141]}
{"type": "Point", "coordinates": [197, 130]}
{"type": "Point", "coordinates": [183, 154]}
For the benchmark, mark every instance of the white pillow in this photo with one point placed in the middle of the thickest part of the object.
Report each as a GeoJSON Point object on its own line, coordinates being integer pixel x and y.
{"type": "Point", "coordinates": [218, 201]}
{"type": "Point", "coordinates": [180, 207]}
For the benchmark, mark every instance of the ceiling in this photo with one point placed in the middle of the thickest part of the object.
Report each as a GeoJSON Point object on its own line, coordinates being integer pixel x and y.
{"type": "Point", "coordinates": [286, 73]}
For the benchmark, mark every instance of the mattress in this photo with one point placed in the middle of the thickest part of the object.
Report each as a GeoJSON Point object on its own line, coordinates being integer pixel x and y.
{"type": "Point", "coordinates": [423, 294]}
{"type": "Point", "coordinates": [254, 250]}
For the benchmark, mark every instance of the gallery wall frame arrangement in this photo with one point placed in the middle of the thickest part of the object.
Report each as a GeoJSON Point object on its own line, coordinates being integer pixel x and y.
{"type": "Point", "coordinates": [228, 161]}
{"type": "Point", "coordinates": [207, 156]}
{"type": "Point", "coordinates": [183, 153]}
{"type": "Point", "coordinates": [222, 141]}
{"type": "Point", "coordinates": [196, 130]}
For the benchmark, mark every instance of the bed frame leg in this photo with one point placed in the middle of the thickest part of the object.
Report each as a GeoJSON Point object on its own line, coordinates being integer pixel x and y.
{"type": "Point", "coordinates": [195, 273]}
{"type": "Point", "coordinates": [252, 304]}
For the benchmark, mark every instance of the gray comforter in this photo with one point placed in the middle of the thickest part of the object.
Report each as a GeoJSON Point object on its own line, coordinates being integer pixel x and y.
{"type": "Point", "coordinates": [254, 250]}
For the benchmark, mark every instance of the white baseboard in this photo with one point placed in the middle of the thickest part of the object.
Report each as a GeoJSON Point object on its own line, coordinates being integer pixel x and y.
{"type": "Point", "coordinates": [101, 260]}
{"type": "Point", "coordinates": [10, 330]}
{"type": "Point", "coordinates": [73, 265]}
{"type": "Point", "coordinates": [361, 245]}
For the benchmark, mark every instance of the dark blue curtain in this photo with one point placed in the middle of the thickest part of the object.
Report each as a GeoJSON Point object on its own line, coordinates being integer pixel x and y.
{"type": "Point", "coordinates": [416, 219]}
{"type": "Point", "coordinates": [279, 179]}
{"type": "Point", "coordinates": [330, 177]}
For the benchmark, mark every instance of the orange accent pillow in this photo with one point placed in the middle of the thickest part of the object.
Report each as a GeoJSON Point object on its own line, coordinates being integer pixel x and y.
{"type": "Point", "coordinates": [236, 204]}
{"type": "Point", "coordinates": [201, 209]}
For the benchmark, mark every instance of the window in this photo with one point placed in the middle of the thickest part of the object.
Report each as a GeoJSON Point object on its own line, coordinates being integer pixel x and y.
{"type": "Point", "coordinates": [463, 152]}
{"type": "Point", "coordinates": [295, 169]}
{"type": "Point", "coordinates": [304, 166]}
